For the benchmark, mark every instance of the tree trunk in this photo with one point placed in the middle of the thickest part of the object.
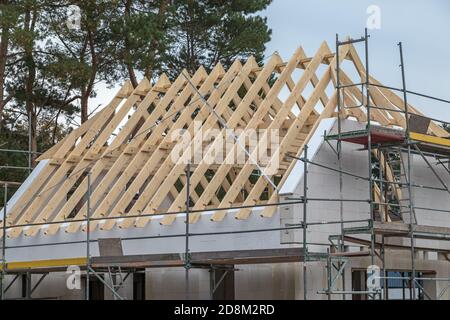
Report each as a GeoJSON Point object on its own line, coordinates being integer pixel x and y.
{"type": "Point", "coordinates": [130, 70]}
{"type": "Point", "coordinates": [30, 21]}
{"type": "Point", "coordinates": [86, 92]}
{"type": "Point", "coordinates": [154, 42]}
{"type": "Point", "coordinates": [32, 120]}
{"type": "Point", "coordinates": [3, 54]}
{"type": "Point", "coordinates": [132, 75]}
{"type": "Point", "coordinates": [84, 107]}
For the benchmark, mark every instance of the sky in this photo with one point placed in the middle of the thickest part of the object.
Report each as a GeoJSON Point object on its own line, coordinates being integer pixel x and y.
{"type": "Point", "coordinates": [423, 27]}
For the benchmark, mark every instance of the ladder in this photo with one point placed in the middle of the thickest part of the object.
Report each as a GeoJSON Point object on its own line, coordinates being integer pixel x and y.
{"type": "Point", "coordinates": [407, 213]}
{"type": "Point", "coordinates": [116, 279]}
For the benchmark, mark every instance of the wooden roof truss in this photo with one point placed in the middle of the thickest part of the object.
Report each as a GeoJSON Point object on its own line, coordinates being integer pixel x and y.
{"type": "Point", "coordinates": [126, 147]}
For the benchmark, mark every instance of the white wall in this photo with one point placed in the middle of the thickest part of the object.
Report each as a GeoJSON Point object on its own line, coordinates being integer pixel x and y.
{"type": "Point", "coordinates": [277, 281]}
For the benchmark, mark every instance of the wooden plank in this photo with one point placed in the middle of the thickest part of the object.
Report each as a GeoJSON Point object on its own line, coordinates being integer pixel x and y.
{"type": "Point", "coordinates": [403, 229]}
{"type": "Point", "coordinates": [38, 264]}
{"type": "Point", "coordinates": [429, 139]}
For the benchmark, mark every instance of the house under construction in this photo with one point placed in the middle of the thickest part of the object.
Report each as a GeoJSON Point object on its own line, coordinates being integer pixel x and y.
{"type": "Point", "coordinates": [360, 190]}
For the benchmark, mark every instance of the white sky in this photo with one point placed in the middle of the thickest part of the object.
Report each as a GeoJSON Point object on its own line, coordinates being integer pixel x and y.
{"type": "Point", "coordinates": [422, 26]}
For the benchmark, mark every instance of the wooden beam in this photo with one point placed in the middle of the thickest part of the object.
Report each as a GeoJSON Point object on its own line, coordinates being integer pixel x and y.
{"type": "Point", "coordinates": [132, 168]}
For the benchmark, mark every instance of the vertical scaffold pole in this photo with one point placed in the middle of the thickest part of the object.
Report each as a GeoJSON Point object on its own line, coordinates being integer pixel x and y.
{"type": "Point", "coordinates": [4, 241]}
{"type": "Point", "coordinates": [410, 202]}
{"type": "Point", "coordinates": [341, 246]}
{"type": "Point", "coordinates": [88, 231]}
{"type": "Point", "coordinates": [186, 254]}
{"type": "Point", "coordinates": [305, 224]}
{"type": "Point", "coordinates": [383, 256]}
{"type": "Point", "coordinates": [329, 273]}
{"type": "Point", "coordinates": [369, 151]}
{"type": "Point", "coordinates": [384, 212]}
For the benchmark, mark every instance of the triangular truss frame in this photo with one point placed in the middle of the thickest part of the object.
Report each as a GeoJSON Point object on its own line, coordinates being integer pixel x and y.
{"type": "Point", "coordinates": [126, 147]}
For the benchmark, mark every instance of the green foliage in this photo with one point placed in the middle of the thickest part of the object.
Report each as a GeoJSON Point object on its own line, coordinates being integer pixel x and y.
{"type": "Point", "coordinates": [210, 31]}
{"type": "Point", "coordinates": [48, 71]}
{"type": "Point", "coordinates": [151, 37]}
{"type": "Point", "coordinates": [139, 32]}
{"type": "Point", "coordinates": [14, 136]}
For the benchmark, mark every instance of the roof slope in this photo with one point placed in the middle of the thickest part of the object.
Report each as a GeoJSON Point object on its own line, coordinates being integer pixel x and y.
{"type": "Point", "coordinates": [127, 147]}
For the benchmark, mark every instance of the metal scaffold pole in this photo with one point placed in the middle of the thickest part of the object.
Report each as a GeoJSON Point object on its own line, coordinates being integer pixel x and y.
{"type": "Point", "coordinates": [2, 292]}
{"type": "Point", "coordinates": [369, 136]}
{"type": "Point", "coordinates": [383, 268]}
{"type": "Point", "coordinates": [305, 224]}
{"type": "Point", "coordinates": [365, 82]}
{"type": "Point", "coordinates": [186, 253]}
{"type": "Point", "coordinates": [409, 167]}
{"type": "Point", "coordinates": [369, 151]}
{"type": "Point", "coordinates": [339, 157]}
{"type": "Point", "coordinates": [329, 274]}
{"type": "Point", "coordinates": [88, 231]}
{"type": "Point", "coordinates": [384, 213]}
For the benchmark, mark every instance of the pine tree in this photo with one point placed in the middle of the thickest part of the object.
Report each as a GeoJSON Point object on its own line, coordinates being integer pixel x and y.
{"type": "Point", "coordinates": [205, 32]}
{"type": "Point", "coordinates": [33, 94]}
{"type": "Point", "coordinates": [152, 37]}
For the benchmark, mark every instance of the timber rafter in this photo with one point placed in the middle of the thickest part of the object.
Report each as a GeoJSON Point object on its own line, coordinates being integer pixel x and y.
{"type": "Point", "coordinates": [129, 145]}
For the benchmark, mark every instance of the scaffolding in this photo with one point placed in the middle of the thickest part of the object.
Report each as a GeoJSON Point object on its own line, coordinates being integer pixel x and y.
{"type": "Point", "coordinates": [379, 144]}
{"type": "Point", "coordinates": [14, 185]}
